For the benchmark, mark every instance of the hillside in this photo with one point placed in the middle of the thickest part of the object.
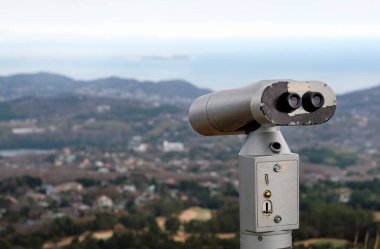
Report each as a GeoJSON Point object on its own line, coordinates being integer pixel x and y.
{"type": "Point", "coordinates": [47, 84]}
{"type": "Point", "coordinates": [367, 98]}
{"type": "Point", "coordinates": [354, 126]}
{"type": "Point", "coordinates": [109, 111]}
{"type": "Point", "coordinates": [73, 120]}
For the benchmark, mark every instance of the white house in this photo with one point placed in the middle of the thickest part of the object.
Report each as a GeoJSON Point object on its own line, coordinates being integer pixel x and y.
{"type": "Point", "coordinates": [173, 146]}
{"type": "Point", "coordinates": [104, 201]}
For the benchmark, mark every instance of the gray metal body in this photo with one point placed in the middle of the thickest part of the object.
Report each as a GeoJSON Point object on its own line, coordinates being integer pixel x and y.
{"type": "Point", "coordinates": [262, 170]}
{"type": "Point", "coordinates": [245, 109]}
{"type": "Point", "coordinates": [268, 170]}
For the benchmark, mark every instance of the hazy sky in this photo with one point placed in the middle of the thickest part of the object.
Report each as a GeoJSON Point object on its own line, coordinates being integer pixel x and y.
{"type": "Point", "coordinates": [189, 18]}
{"type": "Point", "coordinates": [83, 38]}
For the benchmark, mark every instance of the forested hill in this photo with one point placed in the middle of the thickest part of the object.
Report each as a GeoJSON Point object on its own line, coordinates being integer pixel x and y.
{"type": "Point", "coordinates": [48, 85]}
{"type": "Point", "coordinates": [109, 111]}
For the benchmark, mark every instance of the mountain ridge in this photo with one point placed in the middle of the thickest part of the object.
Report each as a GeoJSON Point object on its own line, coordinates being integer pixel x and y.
{"type": "Point", "coordinates": [179, 87]}
{"type": "Point", "coordinates": [157, 110]}
{"type": "Point", "coordinates": [51, 84]}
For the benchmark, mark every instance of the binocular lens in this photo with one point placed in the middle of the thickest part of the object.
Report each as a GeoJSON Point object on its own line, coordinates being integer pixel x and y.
{"type": "Point", "coordinates": [289, 102]}
{"type": "Point", "coordinates": [317, 100]}
{"type": "Point", "coordinates": [312, 101]}
{"type": "Point", "coordinates": [294, 101]}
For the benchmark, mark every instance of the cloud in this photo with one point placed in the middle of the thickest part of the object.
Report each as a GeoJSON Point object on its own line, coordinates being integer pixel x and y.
{"type": "Point", "coordinates": [189, 18]}
{"type": "Point", "coordinates": [179, 57]}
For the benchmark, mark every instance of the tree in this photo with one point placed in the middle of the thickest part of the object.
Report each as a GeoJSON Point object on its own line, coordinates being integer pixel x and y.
{"type": "Point", "coordinates": [5, 245]}
{"type": "Point", "coordinates": [104, 221]}
{"type": "Point", "coordinates": [172, 225]}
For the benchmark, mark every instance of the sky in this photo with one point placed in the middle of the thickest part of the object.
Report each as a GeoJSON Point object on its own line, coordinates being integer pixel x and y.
{"type": "Point", "coordinates": [214, 44]}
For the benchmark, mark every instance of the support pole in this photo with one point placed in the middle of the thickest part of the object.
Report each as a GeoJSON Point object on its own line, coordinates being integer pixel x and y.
{"type": "Point", "coordinates": [269, 186]}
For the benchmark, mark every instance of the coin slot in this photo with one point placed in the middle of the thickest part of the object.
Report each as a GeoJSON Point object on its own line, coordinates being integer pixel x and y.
{"type": "Point", "coordinates": [267, 207]}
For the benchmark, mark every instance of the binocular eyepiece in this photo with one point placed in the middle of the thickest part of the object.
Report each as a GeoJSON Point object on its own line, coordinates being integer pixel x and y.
{"type": "Point", "coordinates": [310, 101]}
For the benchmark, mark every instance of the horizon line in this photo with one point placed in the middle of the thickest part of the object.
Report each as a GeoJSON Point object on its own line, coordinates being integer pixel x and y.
{"type": "Point", "coordinates": [376, 85]}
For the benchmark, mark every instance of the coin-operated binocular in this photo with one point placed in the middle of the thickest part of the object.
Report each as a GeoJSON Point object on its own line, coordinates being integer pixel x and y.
{"type": "Point", "coordinates": [268, 170]}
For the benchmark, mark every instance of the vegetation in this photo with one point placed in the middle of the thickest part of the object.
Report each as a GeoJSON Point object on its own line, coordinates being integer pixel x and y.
{"type": "Point", "coordinates": [330, 156]}
{"type": "Point", "coordinates": [322, 216]}
{"type": "Point", "coordinates": [68, 119]}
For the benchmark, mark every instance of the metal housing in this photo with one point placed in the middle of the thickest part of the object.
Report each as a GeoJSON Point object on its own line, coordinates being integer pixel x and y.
{"type": "Point", "coordinates": [246, 109]}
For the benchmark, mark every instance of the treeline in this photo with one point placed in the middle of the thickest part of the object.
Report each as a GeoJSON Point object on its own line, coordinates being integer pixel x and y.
{"type": "Point", "coordinates": [321, 215]}
{"type": "Point", "coordinates": [155, 239]}
{"type": "Point", "coordinates": [361, 195]}
{"type": "Point", "coordinates": [332, 157]}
